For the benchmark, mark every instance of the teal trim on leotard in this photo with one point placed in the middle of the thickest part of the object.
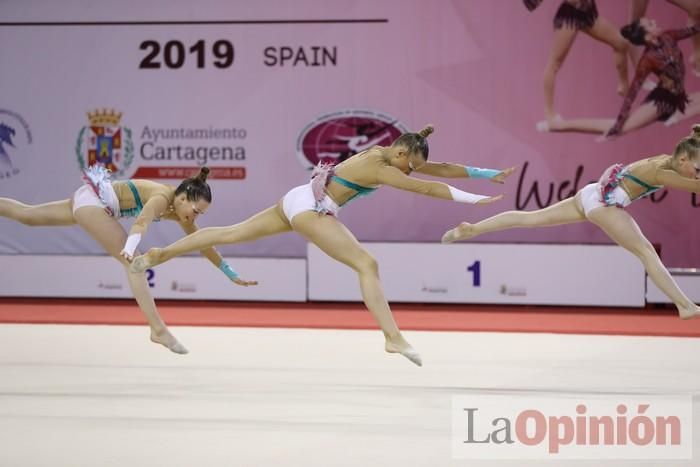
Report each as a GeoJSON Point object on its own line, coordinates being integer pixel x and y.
{"type": "Point", "coordinates": [361, 190]}
{"type": "Point", "coordinates": [135, 211]}
{"type": "Point", "coordinates": [649, 188]}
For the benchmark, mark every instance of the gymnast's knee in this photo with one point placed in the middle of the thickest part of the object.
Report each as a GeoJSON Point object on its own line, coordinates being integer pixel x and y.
{"type": "Point", "coordinates": [620, 45]}
{"type": "Point", "coordinates": [554, 65]}
{"type": "Point", "coordinates": [25, 217]}
{"type": "Point", "coordinates": [366, 264]}
{"type": "Point", "coordinates": [645, 251]}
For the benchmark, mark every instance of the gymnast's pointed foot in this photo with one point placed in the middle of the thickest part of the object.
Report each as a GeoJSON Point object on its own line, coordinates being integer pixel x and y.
{"type": "Point", "coordinates": [689, 313]}
{"type": "Point", "coordinates": [622, 88]}
{"type": "Point", "coordinates": [463, 231]}
{"type": "Point", "coordinates": [143, 262]}
{"type": "Point", "coordinates": [400, 346]}
{"type": "Point", "coordinates": [169, 341]}
{"type": "Point", "coordinates": [673, 119]}
{"type": "Point", "coordinates": [552, 123]}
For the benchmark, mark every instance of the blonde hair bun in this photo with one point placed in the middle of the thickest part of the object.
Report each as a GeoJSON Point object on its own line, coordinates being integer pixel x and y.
{"type": "Point", "coordinates": [429, 129]}
{"type": "Point", "coordinates": [695, 134]}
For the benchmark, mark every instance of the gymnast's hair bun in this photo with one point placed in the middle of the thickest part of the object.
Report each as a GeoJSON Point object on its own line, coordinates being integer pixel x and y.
{"type": "Point", "coordinates": [429, 129]}
{"type": "Point", "coordinates": [695, 134]}
{"type": "Point", "coordinates": [202, 175]}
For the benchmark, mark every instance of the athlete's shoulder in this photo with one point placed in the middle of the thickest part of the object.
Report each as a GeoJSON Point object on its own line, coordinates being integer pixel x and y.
{"type": "Point", "coordinates": [660, 161]}
{"type": "Point", "coordinates": [376, 153]}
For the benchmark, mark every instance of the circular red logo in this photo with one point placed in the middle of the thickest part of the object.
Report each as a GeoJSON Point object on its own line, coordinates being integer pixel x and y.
{"type": "Point", "coordinates": [332, 138]}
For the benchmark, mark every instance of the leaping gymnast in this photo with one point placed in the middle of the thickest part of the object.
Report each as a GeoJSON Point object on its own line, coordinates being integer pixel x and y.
{"type": "Point", "coordinates": [603, 203]}
{"type": "Point", "coordinates": [312, 209]}
{"type": "Point", "coordinates": [99, 203]}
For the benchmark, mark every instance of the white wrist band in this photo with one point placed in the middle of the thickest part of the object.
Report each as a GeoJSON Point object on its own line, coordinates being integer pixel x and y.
{"type": "Point", "coordinates": [131, 243]}
{"type": "Point", "coordinates": [465, 197]}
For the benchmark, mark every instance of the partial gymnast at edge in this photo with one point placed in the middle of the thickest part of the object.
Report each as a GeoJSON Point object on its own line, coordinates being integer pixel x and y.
{"type": "Point", "coordinates": [603, 203]}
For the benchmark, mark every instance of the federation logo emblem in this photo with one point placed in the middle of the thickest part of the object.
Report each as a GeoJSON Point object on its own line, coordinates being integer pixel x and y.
{"type": "Point", "coordinates": [105, 142]}
{"type": "Point", "coordinates": [14, 136]}
{"type": "Point", "coordinates": [332, 138]}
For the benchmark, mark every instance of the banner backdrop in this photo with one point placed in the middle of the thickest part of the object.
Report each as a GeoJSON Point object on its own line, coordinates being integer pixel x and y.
{"type": "Point", "coordinates": [260, 91]}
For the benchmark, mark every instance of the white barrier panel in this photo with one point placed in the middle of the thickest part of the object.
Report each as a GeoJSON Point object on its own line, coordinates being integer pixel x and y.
{"type": "Point", "coordinates": [687, 279]}
{"type": "Point", "coordinates": [188, 278]}
{"type": "Point", "coordinates": [587, 275]}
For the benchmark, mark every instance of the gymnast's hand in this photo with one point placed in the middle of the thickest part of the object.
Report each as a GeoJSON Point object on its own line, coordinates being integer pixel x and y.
{"type": "Point", "coordinates": [127, 256]}
{"type": "Point", "coordinates": [612, 133]}
{"type": "Point", "coordinates": [132, 241]}
{"type": "Point", "coordinates": [244, 283]}
{"type": "Point", "coordinates": [501, 177]}
{"type": "Point", "coordinates": [606, 137]}
{"type": "Point", "coordinates": [490, 199]}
